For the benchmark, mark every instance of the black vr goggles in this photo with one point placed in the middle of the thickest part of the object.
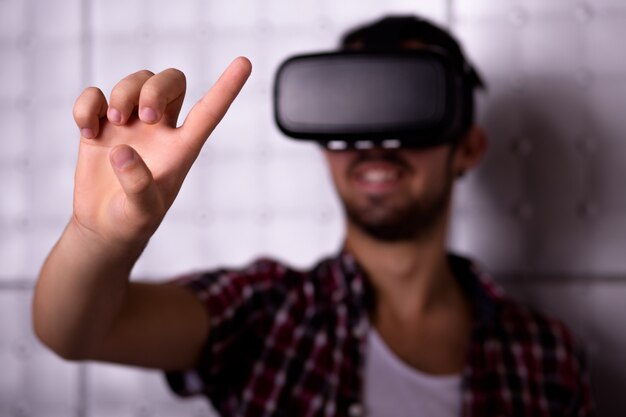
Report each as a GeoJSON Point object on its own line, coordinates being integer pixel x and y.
{"type": "Point", "coordinates": [357, 99]}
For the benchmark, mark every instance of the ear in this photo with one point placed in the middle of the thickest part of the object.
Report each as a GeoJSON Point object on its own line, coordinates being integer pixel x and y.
{"type": "Point", "coordinates": [469, 151]}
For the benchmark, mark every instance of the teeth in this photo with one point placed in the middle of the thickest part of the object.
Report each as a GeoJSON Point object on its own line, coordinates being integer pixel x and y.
{"type": "Point", "coordinates": [379, 176]}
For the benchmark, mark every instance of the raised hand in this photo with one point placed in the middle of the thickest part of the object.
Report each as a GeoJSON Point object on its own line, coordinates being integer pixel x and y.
{"type": "Point", "coordinates": [132, 158]}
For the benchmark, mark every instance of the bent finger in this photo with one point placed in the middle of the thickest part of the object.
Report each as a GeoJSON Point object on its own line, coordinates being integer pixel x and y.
{"type": "Point", "coordinates": [162, 97]}
{"type": "Point", "coordinates": [139, 186]}
{"type": "Point", "coordinates": [89, 107]}
{"type": "Point", "coordinates": [125, 96]}
{"type": "Point", "coordinates": [210, 109]}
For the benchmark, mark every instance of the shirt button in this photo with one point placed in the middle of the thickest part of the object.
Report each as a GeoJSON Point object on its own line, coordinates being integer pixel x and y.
{"type": "Point", "coordinates": [356, 410]}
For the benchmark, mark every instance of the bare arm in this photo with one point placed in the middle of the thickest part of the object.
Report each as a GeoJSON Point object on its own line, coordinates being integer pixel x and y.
{"type": "Point", "coordinates": [131, 164]}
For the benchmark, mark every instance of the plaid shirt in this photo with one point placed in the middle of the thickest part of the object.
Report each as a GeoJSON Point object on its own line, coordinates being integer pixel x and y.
{"type": "Point", "coordinates": [292, 343]}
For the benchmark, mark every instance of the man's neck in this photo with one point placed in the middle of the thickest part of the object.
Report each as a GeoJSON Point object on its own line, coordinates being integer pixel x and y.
{"type": "Point", "coordinates": [420, 310]}
{"type": "Point", "coordinates": [414, 276]}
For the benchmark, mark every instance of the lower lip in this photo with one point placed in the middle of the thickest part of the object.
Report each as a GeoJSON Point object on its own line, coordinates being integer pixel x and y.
{"type": "Point", "coordinates": [381, 187]}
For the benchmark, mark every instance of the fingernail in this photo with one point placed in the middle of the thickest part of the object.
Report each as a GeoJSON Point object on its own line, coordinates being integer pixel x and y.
{"type": "Point", "coordinates": [114, 115]}
{"type": "Point", "coordinates": [148, 115]}
{"type": "Point", "coordinates": [122, 157]}
{"type": "Point", "coordinates": [86, 133]}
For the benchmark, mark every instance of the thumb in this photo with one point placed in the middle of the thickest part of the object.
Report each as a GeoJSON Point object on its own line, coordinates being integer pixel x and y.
{"type": "Point", "coordinates": [137, 182]}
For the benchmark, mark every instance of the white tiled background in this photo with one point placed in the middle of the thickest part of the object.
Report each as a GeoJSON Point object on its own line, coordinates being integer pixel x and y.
{"type": "Point", "coordinates": [546, 212]}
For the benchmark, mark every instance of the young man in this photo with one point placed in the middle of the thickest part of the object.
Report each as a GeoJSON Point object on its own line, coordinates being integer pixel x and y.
{"type": "Point", "coordinates": [393, 325]}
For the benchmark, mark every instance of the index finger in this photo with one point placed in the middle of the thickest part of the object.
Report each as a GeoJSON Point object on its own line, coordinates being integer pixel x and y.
{"type": "Point", "coordinates": [89, 107]}
{"type": "Point", "coordinates": [210, 109]}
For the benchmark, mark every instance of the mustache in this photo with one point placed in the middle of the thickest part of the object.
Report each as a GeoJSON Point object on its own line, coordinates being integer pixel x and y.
{"type": "Point", "coordinates": [387, 156]}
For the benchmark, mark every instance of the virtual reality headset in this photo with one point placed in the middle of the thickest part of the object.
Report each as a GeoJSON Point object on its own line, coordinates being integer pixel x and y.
{"type": "Point", "coordinates": [358, 99]}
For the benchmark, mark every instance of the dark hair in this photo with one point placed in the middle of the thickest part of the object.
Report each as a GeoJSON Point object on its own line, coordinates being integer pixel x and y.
{"type": "Point", "coordinates": [390, 32]}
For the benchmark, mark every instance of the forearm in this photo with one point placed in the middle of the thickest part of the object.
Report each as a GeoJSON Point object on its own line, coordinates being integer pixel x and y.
{"type": "Point", "coordinates": [81, 291]}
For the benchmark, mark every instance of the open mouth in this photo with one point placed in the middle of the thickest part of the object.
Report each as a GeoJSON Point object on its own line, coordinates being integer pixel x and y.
{"type": "Point", "coordinates": [377, 176]}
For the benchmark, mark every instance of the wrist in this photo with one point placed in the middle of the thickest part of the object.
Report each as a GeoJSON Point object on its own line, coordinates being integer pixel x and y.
{"type": "Point", "coordinates": [90, 244]}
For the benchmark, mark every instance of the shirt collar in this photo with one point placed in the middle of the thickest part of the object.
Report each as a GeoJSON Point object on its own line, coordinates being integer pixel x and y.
{"type": "Point", "coordinates": [486, 297]}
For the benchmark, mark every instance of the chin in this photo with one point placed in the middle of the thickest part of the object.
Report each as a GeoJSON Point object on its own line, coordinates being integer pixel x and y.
{"type": "Point", "coordinates": [411, 220]}
{"type": "Point", "coordinates": [406, 227]}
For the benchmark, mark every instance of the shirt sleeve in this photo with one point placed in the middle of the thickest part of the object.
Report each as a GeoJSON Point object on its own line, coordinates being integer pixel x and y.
{"type": "Point", "coordinates": [583, 404]}
{"type": "Point", "coordinates": [240, 305]}
{"type": "Point", "coordinates": [572, 370]}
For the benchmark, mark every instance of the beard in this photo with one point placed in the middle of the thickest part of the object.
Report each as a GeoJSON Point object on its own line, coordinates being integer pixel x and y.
{"type": "Point", "coordinates": [402, 218]}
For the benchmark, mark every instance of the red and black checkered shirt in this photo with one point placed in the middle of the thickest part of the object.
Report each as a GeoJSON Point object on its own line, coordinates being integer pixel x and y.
{"type": "Point", "coordinates": [292, 343]}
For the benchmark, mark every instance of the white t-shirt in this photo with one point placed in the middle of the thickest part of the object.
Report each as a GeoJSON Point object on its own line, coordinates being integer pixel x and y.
{"type": "Point", "coordinates": [393, 388]}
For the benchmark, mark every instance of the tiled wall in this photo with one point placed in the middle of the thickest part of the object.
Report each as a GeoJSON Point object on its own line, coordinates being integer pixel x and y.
{"type": "Point", "coordinates": [546, 212]}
